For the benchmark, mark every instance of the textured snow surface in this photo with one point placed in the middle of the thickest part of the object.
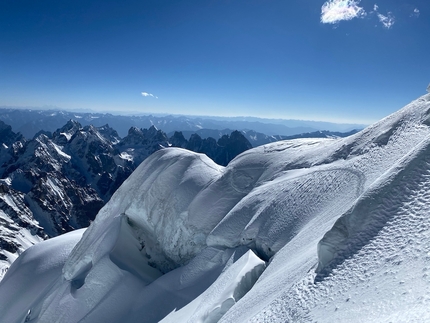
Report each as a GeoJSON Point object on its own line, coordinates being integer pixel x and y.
{"type": "Point", "coordinates": [230, 287]}
{"type": "Point", "coordinates": [32, 276]}
{"type": "Point", "coordinates": [308, 230]}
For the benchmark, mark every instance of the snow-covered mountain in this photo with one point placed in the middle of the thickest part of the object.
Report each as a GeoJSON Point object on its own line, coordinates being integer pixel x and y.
{"type": "Point", "coordinates": [30, 121]}
{"type": "Point", "coordinates": [306, 230]}
{"type": "Point", "coordinates": [58, 182]}
{"type": "Point", "coordinates": [19, 230]}
{"type": "Point", "coordinates": [44, 192]}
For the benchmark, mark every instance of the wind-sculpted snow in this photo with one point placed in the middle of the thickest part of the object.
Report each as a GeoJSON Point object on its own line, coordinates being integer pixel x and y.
{"type": "Point", "coordinates": [374, 209]}
{"type": "Point", "coordinates": [296, 231]}
{"type": "Point", "coordinates": [156, 203]}
{"type": "Point", "coordinates": [381, 264]}
{"type": "Point", "coordinates": [272, 214]}
{"type": "Point", "coordinates": [361, 252]}
{"type": "Point", "coordinates": [43, 262]}
{"type": "Point", "coordinates": [232, 284]}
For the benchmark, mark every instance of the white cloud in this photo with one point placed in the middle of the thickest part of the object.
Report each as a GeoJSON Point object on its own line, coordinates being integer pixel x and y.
{"type": "Point", "coordinates": [145, 94]}
{"type": "Point", "coordinates": [334, 11]}
{"type": "Point", "coordinates": [386, 21]}
{"type": "Point", "coordinates": [416, 13]}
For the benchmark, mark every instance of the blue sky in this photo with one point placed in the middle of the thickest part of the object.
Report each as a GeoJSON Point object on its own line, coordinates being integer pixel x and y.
{"type": "Point", "coordinates": [342, 61]}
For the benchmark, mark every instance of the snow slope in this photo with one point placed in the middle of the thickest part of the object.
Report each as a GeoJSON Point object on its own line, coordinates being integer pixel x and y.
{"type": "Point", "coordinates": [326, 230]}
{"type": "Point", "coordinates": [42, 261]}
{"type": "Point", "coordinates": [19, 230]}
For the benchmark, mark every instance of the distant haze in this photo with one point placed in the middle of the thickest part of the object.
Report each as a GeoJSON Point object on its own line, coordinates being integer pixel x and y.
{"type": "Point", "coordinates": [30, 121]}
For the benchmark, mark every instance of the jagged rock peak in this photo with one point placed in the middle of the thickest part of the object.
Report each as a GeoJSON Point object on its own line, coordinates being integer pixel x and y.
{"type": "Point", "coordinates": [134, 131]}
{"type": "Point", "coordinates": [67, 131]}
{"type": "Point", "coordinates": [178, 140]}
{"type": "Point", "coordinates": [71, 125]}
{"type": "Point", "coordinates": [109, 133]}
{"type": "Point", "coordinates": [134, 137]}
{"type": "Point", "coordinates": [153, 132]}
{"type": "Point", "coordinates": [139, 136]}
{"type": "Point", "coordinates": [43, 132]}
{"type": "Point", "coordinates": [7, 136]}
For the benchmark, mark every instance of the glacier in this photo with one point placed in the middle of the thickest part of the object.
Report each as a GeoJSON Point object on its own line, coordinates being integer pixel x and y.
{"type": "Point", "coordinates": [304, 230]}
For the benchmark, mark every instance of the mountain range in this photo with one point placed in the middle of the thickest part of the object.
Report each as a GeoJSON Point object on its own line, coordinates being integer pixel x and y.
{"type": "Point", "coordinates": [30, 121]}
{"type": "Point", "coordinates": [57, 182]}
{"type": "Point", "coordinates": [303, 230]}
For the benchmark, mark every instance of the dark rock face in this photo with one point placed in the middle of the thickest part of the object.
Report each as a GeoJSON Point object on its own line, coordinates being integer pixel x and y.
{"type": "Point", "coordinates": [140, 143]}
{"type": "Point", "coordinates": [7, 136]}
{"type": "Point", "coordinates": [232, 146]}
{"type": "Point", "coordinates": [221, 151]}
{"type": "Point", "coordinates": [109, 133]}
{"type": "Point", "coordinates": [178, 140]}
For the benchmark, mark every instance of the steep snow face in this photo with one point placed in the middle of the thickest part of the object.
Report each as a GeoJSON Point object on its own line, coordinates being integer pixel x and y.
{"type": "Point", "coordinates": [338, 220]}
{"type": "Point", "coordinates": [375, 208]}
{"type": "Point", "coordinates": [156, 203]}
{"type": "Point", "coordinates": [373, 263]}
{"type": "Point", "coordinates": [382, 246]}
{"type": "Point", "coordinates": [19, 230]}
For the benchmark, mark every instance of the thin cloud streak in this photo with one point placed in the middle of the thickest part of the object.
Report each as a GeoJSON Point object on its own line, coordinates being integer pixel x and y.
{"type": "Point", "coordinates": [145, 94]}
{"type": "Point", "coordinates": [334, 11]}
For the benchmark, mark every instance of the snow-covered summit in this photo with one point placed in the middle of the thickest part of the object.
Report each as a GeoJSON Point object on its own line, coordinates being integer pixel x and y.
{"type": "Point", "coordinates": [295, 231]}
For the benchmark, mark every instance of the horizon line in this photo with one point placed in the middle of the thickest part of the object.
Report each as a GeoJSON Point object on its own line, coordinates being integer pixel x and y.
{"type": "Point", "coordinates": [140, 113]}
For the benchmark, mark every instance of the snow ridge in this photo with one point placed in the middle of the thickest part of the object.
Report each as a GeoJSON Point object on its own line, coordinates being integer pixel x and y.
{"type": "Point", "coordinates": [307, 230]}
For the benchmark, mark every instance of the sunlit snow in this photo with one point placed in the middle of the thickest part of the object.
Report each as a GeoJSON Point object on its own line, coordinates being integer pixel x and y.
{"type": "Point", "coordinates": [307, 230]}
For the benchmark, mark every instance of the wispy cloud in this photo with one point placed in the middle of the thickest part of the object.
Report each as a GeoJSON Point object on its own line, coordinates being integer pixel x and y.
{"type": "Point", "coordinates": [145, 94]}
{"type": "Point", "coordinates": [334, 11]}
{"type": "Point", "coordinates": [416, 13]}
{"type": "Point", "coordinates": [386, 21]}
